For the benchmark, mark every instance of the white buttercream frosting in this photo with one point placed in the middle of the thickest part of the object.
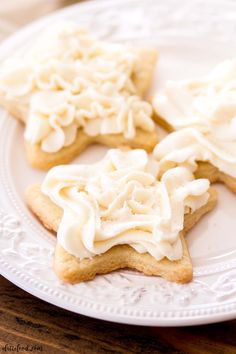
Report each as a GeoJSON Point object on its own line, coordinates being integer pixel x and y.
{"type": "Point", "coordinates": [188, 146]}
{"type": "Point", "coordinates": [119, 200]}
{"type": "Point", "coordinates": [207, 105]}
{"type": "Point", "coordinates": [70, 80]}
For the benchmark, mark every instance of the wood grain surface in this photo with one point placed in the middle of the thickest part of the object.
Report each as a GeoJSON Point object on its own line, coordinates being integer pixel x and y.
{"type": "Point", "coordinates": [34, 324]}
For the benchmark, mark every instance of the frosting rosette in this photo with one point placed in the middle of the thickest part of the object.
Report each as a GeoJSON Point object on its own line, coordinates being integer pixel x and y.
{"type": "Point", "coordinates": [207, 103]}
{"type": "Point", "coordinates": [119, 200]}
{"type": "Point", "coordinates": [188, 146]}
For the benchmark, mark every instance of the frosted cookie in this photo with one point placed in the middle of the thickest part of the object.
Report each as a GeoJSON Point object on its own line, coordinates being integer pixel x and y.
{"type": "Point", "coordinates": [205, 108]}
{"type": "Point", "coordinates": [72, 90]}
{"type": "Point", "coordinates": [200, 153]}
{"type": "Point", "coordinates": [116, 214]}
{"type": "Point", "coordinates": [207, 103]}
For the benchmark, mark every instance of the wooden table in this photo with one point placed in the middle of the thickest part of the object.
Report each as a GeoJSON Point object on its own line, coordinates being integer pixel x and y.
{"type": "Point", "coordinates": [28, 321]}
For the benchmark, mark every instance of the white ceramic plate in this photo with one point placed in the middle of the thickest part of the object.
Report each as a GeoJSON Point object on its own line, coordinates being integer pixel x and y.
{"type": "Point", "coordinates": [190, 39]}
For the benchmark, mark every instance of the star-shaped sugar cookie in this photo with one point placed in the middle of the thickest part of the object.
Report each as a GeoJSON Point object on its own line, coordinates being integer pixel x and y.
{"type": "Point", "coordinates": [71, 90]}
{"type": "Point", "coordinates": [116, 214]}
{"type": "Point", "coordinates": [202, 114]}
